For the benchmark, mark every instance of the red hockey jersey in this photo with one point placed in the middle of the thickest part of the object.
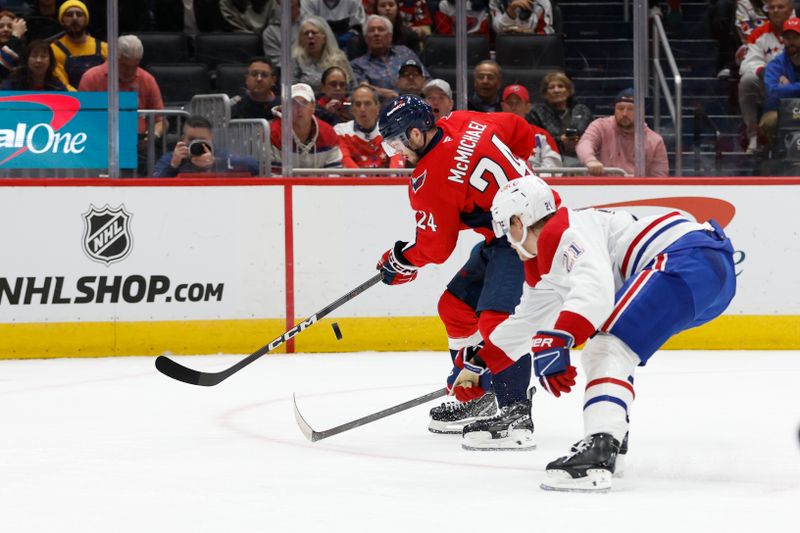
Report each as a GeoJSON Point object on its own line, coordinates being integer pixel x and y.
{"type": "Point", "coordinates": [454, 183]}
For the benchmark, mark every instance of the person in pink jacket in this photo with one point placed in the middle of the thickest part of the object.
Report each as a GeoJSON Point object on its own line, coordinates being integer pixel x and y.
{"type": "Point", "coordinates": [608, 142]}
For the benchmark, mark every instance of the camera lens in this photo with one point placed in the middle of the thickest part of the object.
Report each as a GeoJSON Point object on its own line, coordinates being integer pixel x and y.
{"type": "Point", "coordinates": [524, 14]}
{"type": "Point", "coordinates": [198, 147]}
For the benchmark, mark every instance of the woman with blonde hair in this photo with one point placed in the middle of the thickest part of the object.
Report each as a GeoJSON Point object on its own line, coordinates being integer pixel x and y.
{"type": "Point", "coordinates": [560, 115]}
{"type": "Point", "coordinates": [315, 50]}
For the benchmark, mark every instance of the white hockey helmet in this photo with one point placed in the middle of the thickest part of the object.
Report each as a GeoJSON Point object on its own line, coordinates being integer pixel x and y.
{"type": "Point", "coordinates": [529, 198]}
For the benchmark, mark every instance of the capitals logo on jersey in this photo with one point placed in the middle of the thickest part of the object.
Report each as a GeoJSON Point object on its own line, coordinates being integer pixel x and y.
{"type": "Point", "coordinates": [419, 181]}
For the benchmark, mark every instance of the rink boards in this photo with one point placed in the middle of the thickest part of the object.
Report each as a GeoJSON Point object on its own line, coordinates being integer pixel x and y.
{"type": "Point", "coordinates": [226, 265]}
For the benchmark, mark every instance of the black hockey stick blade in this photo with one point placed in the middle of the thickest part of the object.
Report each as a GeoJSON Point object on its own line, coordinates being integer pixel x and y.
{"type": "Point", "coordinates": [314, 436]}
{"type": "Point", "coordinates": [177, 371]}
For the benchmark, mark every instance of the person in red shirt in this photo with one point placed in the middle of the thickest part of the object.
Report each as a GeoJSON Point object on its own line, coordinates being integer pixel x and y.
{"type": "Point", "coordinates": [461, 161]}
{"type": "Point", "coordinates": [131, 78]}
{"type": "Point", "coordinates": [360, 140]}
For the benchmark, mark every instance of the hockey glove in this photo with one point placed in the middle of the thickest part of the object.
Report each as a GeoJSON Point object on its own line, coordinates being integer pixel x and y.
{"type": "Point", "coordinates": [469, 379]}
{"type": "Point", "coordinates": [394, 267]}
{"type": "Point", "coordinates": [551, 362]}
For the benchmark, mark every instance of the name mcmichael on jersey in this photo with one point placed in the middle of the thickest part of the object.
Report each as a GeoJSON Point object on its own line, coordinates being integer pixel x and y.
{"type": "Point", "coordinates": [466, 147]}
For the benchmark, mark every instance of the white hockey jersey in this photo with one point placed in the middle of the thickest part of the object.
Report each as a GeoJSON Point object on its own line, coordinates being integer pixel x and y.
{"type": "Point", "coordinates": [583, 258]}
{"type": "Point", "coordinates": [762, 47]}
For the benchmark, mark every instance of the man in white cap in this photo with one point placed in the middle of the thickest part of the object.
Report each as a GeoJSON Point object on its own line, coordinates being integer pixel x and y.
{"type": "Point", "coordinates": [439, 95]}
{"type": "Point", "coordinates": [316, 144]}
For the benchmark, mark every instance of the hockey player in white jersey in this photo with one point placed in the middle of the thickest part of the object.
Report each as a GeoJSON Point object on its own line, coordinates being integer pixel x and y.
{"type": "Point", "coordinates": [620, 284]}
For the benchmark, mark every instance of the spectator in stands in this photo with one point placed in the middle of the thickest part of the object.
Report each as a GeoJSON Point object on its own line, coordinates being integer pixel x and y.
{"type": "Point", "coordinates": [43, 20]}
{"type": "Point", "coordinates": [333, 106]}
{"type": "Point", "coordinates": [608, 142]}
{"type": "Point", "coordinates": [560, 115]}
{"type": "Point", "coordinates": [763, 45]}
{"type": "Point", "coordinates": [36, 70]}
{"type": "Point", "coordinates": [12, 31]}
{"type": "Point", "coordinates": [195, 153]}
{"type": "Point", "coordinates": [410, 78]}
{"type": "Point", "coordinates": [517, 100]}
{"type": "Point", "coordinates": [781, 78]}
{"type": "Point", "coordinates": [360, 138]}
{"type": "Point", "coordinates": [439, 95]}
{"type": "Point", "coordinates": [272, 36]}
{"type": "Point", "coordinates": [380, 65]}
{"type": "Point", "coordinates": [131, 78]}
{"type": "Point", "coordinates": [257, 98]}
{"type": "Point", "coordinates": [401, 32]}
{"type": "Point", "coordinates": [731, 22]}
{"type": "Point", "coordinates": [750, 15]}
{"type": "Point", "coordinates": [250, 16]}
{"type": "Point", "coordinates": [315, 50]}
{"type": "Point", "coordinates": [417, 16]}
{"type": "Point", "coordinates": [346, 17]}
{"type": "Point", "coordinates": [315, 145]}
{"type": "Point", "coordinates": [488, 81]}
{"type": "Point", "coordinates": [522, 16]}
{"type": "Point", "coordinates": [444, 21]}
{"type": "Point", "coordinates": [76, 51]}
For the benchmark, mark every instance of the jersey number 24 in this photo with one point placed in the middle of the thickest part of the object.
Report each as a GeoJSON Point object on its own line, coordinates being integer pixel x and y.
{"type": "Point", "coordinates": [487, 165]}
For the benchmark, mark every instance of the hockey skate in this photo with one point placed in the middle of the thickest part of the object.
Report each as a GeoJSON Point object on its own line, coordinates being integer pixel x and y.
{"type": "Point", "coordinates": [510, 429]}
{"type": "Point", "coordinates": [451, 417]}
{"type": "Point", "coordinates": [588, 468]}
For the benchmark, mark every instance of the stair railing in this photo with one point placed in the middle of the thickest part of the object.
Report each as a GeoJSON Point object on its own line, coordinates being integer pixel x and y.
{"type": "Point", "coordinates": [660, 84]}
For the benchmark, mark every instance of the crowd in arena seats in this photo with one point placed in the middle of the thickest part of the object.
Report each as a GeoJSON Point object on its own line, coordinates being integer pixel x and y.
{"type": "Point", "coordinates": [348, 59]}
{"type": "Point", "coordinates": [758, 48]}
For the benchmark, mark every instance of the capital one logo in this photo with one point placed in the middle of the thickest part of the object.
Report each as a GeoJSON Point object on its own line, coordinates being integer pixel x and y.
{"type": "Point", "coordinates": [44, 137]}
{"type": "Point", "coordinates": [106, 235]}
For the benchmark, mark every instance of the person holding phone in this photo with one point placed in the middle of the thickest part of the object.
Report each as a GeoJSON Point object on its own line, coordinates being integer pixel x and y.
{"type": "Point", "coordinates": [560, 115]}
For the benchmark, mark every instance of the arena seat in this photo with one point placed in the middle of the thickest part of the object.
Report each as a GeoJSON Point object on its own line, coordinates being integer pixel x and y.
{"type": "Point", "coordinates": [530, 78]}
{"type": "Point", "coordinates": [440, 50]}
{"type": "Point", "coordinates": [230, 77]}
{"type": "Point", "coordinates": [537, 51]}
{"type": "Point", "coordinates": [220, 47]}
{"type": "Point", "coordinates": [164, 47]}
{"type": "Point", "coordinates": [179, 82]}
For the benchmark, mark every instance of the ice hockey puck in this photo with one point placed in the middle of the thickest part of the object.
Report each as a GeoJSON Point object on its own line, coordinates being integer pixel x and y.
{"type": "Point", "coordinates": [337, 331]}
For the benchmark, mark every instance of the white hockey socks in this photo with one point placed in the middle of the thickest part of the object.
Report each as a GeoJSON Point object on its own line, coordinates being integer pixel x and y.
{"type": "Point", "coordinates": [609, 365]}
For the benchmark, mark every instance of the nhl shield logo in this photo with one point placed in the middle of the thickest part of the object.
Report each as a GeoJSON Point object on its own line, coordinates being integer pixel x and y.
{"type": "Point", "coordinates": [106, 234]}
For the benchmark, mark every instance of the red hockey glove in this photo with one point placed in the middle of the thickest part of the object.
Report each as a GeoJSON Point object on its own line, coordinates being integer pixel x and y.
{"type": "Point", "coordinates": [469, 379]}
{"type": "Point", "coordinates": [395, 269]}
{"type": "Point", "coordinates": [551, 362]}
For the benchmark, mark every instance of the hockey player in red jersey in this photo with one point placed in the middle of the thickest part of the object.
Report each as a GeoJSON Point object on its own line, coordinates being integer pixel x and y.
{"type": "Point", "coordinates": [461, 161]}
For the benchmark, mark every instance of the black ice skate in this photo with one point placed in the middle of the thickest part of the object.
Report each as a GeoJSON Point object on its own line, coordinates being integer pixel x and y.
{"type": "Point", "coordinates": [588, 468]}
{"type": "Point", "coordinates": [451, 417]}
{"type": "Point", "coordinates": [510, 429]}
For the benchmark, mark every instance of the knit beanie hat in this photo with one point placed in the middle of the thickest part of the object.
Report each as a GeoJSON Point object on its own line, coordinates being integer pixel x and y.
{"type": "Point", "coordinates": [73, 3]}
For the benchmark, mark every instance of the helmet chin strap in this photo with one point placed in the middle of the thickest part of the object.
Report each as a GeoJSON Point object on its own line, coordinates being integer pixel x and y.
{"type": "Point", "coordinates": [517, 245]}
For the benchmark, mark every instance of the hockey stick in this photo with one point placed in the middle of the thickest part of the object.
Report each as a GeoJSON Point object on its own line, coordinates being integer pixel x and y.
{"type": "Point", "coordinates": [177, 371]}
{"type": "Point", "coordinates": [314, 436]}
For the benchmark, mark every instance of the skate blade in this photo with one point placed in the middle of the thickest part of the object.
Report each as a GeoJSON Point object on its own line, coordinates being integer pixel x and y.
{"type": "Point", "coordinates": [596, 481]}
{"type": "Point", "coordinates": [452, 427]}
{"type": "Point", "coordinates": [512, 443]}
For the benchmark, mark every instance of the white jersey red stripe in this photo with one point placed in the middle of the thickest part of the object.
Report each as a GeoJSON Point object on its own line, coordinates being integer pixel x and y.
{"type": "Point", "coordinates": [576, 252]}
{"type": "Point", "coordinates": [640, 248]}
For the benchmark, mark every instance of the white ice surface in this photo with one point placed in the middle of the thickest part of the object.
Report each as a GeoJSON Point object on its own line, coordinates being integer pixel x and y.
{"type": "Point", "coordinates": [111, 445]}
